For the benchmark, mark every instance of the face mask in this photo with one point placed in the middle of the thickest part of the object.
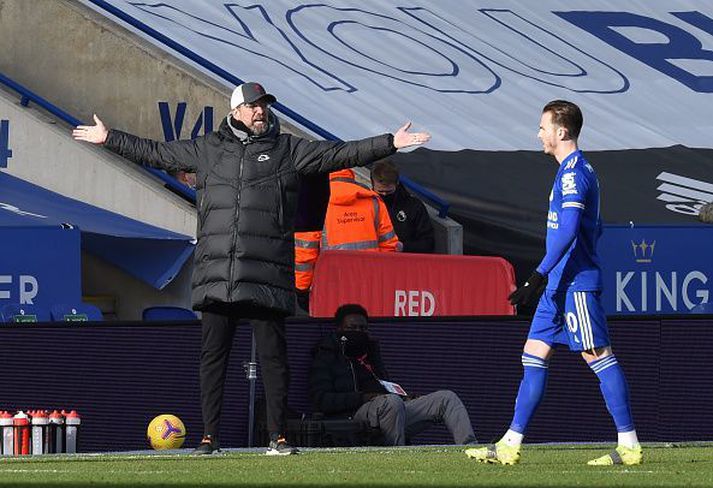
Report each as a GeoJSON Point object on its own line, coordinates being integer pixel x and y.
{"type": "Point", "coordinates": [354, 343]}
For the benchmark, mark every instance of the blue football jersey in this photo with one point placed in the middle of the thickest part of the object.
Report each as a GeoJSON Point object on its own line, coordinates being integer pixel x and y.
{"type": "Point", "coordinates": [576, 186]}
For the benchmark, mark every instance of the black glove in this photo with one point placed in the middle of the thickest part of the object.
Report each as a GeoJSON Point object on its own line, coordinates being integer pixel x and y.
{"type": "Point", "coordinates": [532, 289]}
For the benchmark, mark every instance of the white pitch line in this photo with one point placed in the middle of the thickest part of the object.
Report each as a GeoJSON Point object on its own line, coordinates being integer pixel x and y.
{"type": "Point", "coordinates": [35, 471]}
{"type": "Point", "coordinates": [111, 471]}
{"type": "Point", "coordinates": [614, 471]}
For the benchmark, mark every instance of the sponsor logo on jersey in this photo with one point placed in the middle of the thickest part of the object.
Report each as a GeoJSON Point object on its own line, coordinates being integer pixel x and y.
{"type": "Point", "coordinates": [552, 220]}
{"type": "Point", "coordinates": [263, 157]}
{"type": "Point", "coordinates": [569, 186]}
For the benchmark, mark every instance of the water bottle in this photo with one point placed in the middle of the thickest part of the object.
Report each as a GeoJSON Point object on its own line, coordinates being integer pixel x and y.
{"type": "Point", "coordinates": [55, 435]}
{"type": "Point", "coordinates": [7, 437]}
{"type": "Point", "coordinates": [21, 432]}
{"type": "Point", "coordinates": [40, 421]}
{"type": "Point", "coordinates": [71, 421]}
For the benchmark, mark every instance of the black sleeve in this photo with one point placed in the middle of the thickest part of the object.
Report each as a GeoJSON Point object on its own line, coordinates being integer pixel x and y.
{"type": "Point", "coordinates": [171, 156]}
{"type": "Point", "coordinates": [422, 239]}
{"type": "Point", "coordinates": [328, 156]}
{"type": "Point", "coordinates": [321, 387]}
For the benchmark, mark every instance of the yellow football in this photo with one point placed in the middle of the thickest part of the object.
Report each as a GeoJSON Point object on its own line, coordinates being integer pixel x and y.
{"type": "Point", "coordinates": [166, 431]}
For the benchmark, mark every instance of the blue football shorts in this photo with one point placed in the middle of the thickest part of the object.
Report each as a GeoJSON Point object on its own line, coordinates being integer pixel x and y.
{"type": "Point", "coordinates": [574, 318]}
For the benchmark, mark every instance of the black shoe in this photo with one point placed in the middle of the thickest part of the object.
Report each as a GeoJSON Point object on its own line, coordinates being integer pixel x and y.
{"type": "Point", "coordinates": [280, 447]}
{"type": "Point", "coordinates": [207, 446]}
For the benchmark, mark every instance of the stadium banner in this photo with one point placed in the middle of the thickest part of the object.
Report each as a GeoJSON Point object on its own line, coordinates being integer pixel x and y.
{"type": "Point", "coordinates": [657, 269]}
{"type": "Point", "coordinates": [489, 65]}
{"type": "Point", "coordinates": [40, 266]}
{"type": "Point", "coordinates": [412, 285]}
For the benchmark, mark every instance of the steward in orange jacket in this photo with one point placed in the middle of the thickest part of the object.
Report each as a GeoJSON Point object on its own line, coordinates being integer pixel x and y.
{"type": "Point", "coordinates": [357, 219]}
{"type": "Point", "coordinates": [306, 254]}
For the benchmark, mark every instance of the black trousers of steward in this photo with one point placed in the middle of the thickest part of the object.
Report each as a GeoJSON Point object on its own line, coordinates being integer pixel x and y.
{"type": "Point", "coordinates": [217, 341]}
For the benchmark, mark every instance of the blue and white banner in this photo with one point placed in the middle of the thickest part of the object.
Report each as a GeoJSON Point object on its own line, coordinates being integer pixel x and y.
{"type": "Point", "coordinates": [40, 266]}
{"type": "Point", "coordinates": [474, 73]}
{"type": "Point", "coordinates": [657, 269]}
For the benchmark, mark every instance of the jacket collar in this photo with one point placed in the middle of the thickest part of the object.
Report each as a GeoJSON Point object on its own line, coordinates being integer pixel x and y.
{"type": "Point", "coordinates": [232, 127]}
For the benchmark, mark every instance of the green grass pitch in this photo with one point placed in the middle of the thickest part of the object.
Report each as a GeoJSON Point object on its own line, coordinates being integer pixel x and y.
{"type": "Point", "coordinates": [550, 465]}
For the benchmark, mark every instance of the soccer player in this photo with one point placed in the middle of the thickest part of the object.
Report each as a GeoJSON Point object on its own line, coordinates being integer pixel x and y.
{"type": "Point", "coordinates": [570, 311]}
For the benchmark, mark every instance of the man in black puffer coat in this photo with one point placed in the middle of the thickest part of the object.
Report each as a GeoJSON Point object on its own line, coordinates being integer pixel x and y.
{"type": "Point", "coordinates": [348, 379]}
{"type": "Point", "coordinates": [248, 177]}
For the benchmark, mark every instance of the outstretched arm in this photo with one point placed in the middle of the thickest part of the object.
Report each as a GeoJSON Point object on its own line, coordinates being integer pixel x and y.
{"type": "Point", "coordinates": [328, 156]}
{"type": "Point", "coordinates": [404, 138]}
{"type": "Point", "coordinates": [96, 134]}
{"type": "Point", "coordinates": [174, 155]}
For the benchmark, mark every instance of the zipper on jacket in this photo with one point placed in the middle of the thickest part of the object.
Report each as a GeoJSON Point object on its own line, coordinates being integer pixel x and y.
{"type": "Point", "coordinates": [351, 366]}
{"type": "Point", "coordinates": [231, 283]}
{"type": "Point", "coordinates": [280, 215]}
{"type": "Point", "coordinates": [342, 346]}
{"type": "Point", "coordinates": [201, 203]}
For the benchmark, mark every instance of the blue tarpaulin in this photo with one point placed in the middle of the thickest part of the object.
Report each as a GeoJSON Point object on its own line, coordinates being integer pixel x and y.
{"type": "Point", "coordinates": [149, 253]}
{"type": "Point", "coordinates": [39, 266]}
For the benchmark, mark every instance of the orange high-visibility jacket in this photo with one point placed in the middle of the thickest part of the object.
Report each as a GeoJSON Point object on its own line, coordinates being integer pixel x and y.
{"type": "Point", "coordinates": [356, 218]}
{"type": "Point", "coordinates": [306, 254]}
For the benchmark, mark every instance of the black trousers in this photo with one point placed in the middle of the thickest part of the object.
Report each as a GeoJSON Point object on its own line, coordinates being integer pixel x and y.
{"type": "Point", "coordinates": [217, 341]}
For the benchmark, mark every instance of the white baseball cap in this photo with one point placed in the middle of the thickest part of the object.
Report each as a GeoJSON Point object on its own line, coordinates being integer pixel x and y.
{"type": "Point", "coordinates": [248, 93]}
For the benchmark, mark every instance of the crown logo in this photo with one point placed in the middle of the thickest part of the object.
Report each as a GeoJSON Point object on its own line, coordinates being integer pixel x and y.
{"type": "Point", "coordinates": [643, 251]}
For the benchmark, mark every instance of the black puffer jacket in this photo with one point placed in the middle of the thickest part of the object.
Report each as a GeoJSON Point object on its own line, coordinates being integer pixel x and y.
{"type": "Point", "coordinates": [247, 190]}
{"type": "Point", "coordinates": [334, 378]}
{"type": "Point", "coordinates": [411, 222]}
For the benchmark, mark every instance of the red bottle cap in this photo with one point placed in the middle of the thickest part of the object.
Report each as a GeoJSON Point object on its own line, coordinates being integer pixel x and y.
{"type": "Point", "coordinates": [71, 417]}
{"type": "Point", "coordinates": [39, 417]}
{"type": "Point", "coordinates": [5, 418]}
{"type": "Point", "coordinates": [56, 415]}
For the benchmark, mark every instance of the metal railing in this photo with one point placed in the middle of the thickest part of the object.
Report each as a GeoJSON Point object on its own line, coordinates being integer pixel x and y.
{"type": "Point", "coordinates": [422, 192]}
{"type": "Point", "coordinates": [27, 96]}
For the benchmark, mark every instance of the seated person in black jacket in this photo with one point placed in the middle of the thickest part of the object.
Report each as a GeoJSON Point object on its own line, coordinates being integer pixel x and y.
{"type": "Point", "coordinates": [348, 379]}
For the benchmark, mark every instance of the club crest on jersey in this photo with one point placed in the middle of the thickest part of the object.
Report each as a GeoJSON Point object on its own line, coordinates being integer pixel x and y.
{"type": "Point", "coordinates": [569, 186]}
{"type": "Point", "coordinates": [401, 216]}
{"type": "Point", "coordinates": [263, 157]}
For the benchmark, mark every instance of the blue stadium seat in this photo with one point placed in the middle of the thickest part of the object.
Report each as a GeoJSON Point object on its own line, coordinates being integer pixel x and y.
{"type": "Point", "coordinates": [17, 313]}
{"type": "Point", "coordinates": [80, 312]}
{"type": "Point", "coordinates": [164, 312]}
